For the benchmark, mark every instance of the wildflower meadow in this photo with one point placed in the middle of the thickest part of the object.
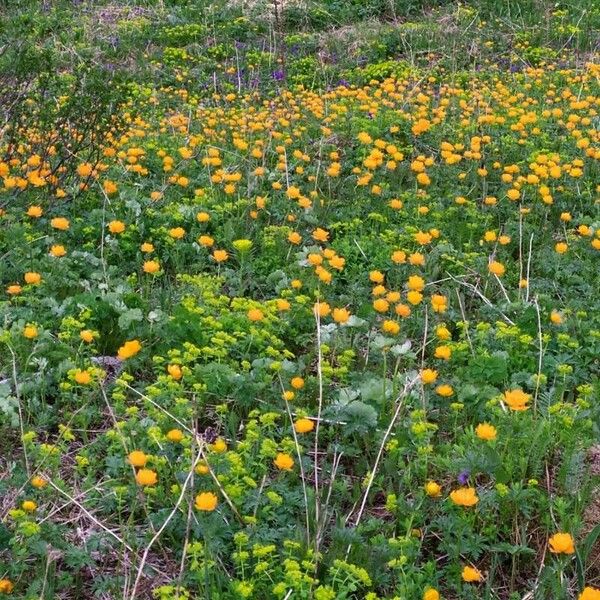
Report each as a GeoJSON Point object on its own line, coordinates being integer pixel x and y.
{"type": "Point", "coordinates": [300, 300]}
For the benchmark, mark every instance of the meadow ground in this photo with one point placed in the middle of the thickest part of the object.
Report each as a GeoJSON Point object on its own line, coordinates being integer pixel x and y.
{"type": "Point", "coordinates": [300, 300]}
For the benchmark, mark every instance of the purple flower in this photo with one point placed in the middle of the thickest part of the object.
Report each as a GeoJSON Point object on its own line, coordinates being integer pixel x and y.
{"type": "Point", "coordinates": [463, 477]}
{"type": "Point", "coordinates": [278, 75]}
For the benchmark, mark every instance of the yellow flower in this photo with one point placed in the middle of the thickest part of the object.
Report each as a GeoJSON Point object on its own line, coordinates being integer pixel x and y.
{"type": "Point", "coordinates": [304, 425]}
{"type": "Point", "coordinates": [14, 290]}
{"type": "Point", "coordinates": [284, 462]}
{"type": "Point", "coordinates": [433, 489]}
{"type": "Point", "coordinates": [29, 506]}
{"type": "Point", "coordinates": [428, 375]}
{"type": "Point", "coordinates": [177, 233]}
{"type": "Point", "coordinates": [442, 332]}
{"type": "Point", "coordinates": [465, 496]}
{"type": "Point", "coordinates": [32, 278]}
{"type": "Point", "coordinates": [561, 543]}
{"type": "Point", "coordinates": [416, 283]}
{"type": "Point", "coordinates": [444, 390]}
{"type": "Point", "coordinates": [175, 435]}
{"type": "Point", "coordinates": [206, 501]}
{"type": "Point", "coordinates": [485, 431]}
{"type": "Point", "coordinates": [517, 399]}
{"type": "Point", "coordinates": [137, 458]}
{"type": "Point", "coordinates": [561, 247]}
{"type": "Point", "coordinates": [443, 352]}
{"type": "Point", "coordinates": [86, 335]}
{"type": "Point", "coordinates": [255, 314]}
{"type": "Point", "coordinates": [589, 593]}
{"type": "Point", "coordinates": [146, 477]}
{"type": "Point", "coordinates": [431, 594]}
{"type": "Point", "coordinates": [175, 372]}
{"type": "Point", "coordinates": [60, 223]}
{"type": "Point", "coordinates": [381, 305]}
{"type": "Point", "coordinates": [147, 247]}
{"type": "Point", "coordinates": [220, 255]}
{"type": "Point", "coordinates": [320, 235]}
{"type": "Point", "coordinates": [6, 586]}
{"type": "Point", "coordinates": [341, 315]}
{"type": "Point", "coordinates": [556, 317]}
{"type": "Point", "coordinates": [30, 332]}
{"type": "Point", "coordinates": [151, 266]}
{"type": "Point", "coordinates": [35, 212]}
{"type": "Point", "coordinates": [82, 377]}
{"type": "Point", "coordinates": [116, 227]}
{"type": "Point", "coordinates": [219, 446]}
{"type": "Point", "coordinates": [57, 251]}
{"type": "Point", "coordinates": [496, 268]}
{"type": "Point", "coordinates": [390, 327]}
{"type": "Point", "coordinates": [297, 383]}
{"type": "Point", "coordinates": [129, 349]}
{"type": "Point", "coordinates": [439, 303]}
{"type": "Point", "coordinates": [471, 575]}
{"type": "Point", "coordinates": [414, 297]}
{"type": "Point", "coordinates": [38, 482]}
{"type": "Point", "coordinates": [203, 217]}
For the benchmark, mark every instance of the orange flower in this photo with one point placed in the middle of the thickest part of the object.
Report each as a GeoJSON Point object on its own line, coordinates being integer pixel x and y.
{"type": "Point", "coordinates": [35, 212]}
{"type": "Point", "coordinates": [304, 425]}
{"type": "Point", "coordinates": [146, 477]}
{"type": "Point", "coordinates": [561, 543]}
{"type": "Point", "coordinates": [137, 458]}
{"type": "Point", "coordinates": [151, 267]}
{"type": "Point", "coordinates": [129, 349]}
{"type": "Point", "coordinates": [341, 315]}
{"type": "Point", "coordinates": [175, 435]}
{"type": "Point", "coordinates": [471, 575]}
{"type": "Point", "coordinates": [589, 593]}
{"type": "Point", "coordinates": [116, 227]}
{"type": "Point", "coordinates": [32, 278]}
{"type": "Point", "coordinates": [220, 255]}
{"type": "Point", "coordinates": [464, 496]}
{"type": "Point", "coordinates": [496, 268]}
{"type": "Point", "coordinates": [284, 462]}
{"type": "Point", "coordinates": [485, 431]}
{"type": "Point", "coordinates": [320, 235]}
{"type": "Point", "coordinates": [255, 314]}
{"type": "Point", "coordinates": [60, 223]}
{"type": "Point", "coordinates": [206, 501]}
{"type": "Point", "coordinates": [57, 251]}
{"type": "Point", "coordinates": [428, 375]}
{"type": "Point", "coordinates": [517, 399]}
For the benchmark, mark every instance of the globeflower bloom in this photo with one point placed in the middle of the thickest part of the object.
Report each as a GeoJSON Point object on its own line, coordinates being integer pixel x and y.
{"type": "Point", "coordinates": [433, 489]}
{"type": "Point", "coordinates": [517, 399]}
{"type": "Point", "coordinates": [146, 477]}
{"type": "Point", "coordinates": [60, 223]}
{"type": "Point", "coordinates": [206, 501]}
{"type": "Point", "coordinates": [304, 425]}
{"type": "Point", "coordinates": [116, 227]}
{"type": "Point", "coordinates": [561, 543]}
{"type": "Point", "coordinates": [485, 431]}
{"type": "Point", "coordinates": [496, 268]}
{"type": "Point", "coordinates": [589, 593]}
{"type": "Point", "coordinates": [129, 349]}
{"type": "Point", "coordinates": [283, 462]}
{"type": "Point", "coordinates": [137, 458]}
{"type": "Point", "coordinates": [464, 496]}
{"type": "Point", "coordinates": [431, 594]}
{"type": "Point", "coordinates": [471, 575]}
{"type": "Point", "coordinates": [151, 267]}
{"type": "Point", "coordinates": [428, 376]}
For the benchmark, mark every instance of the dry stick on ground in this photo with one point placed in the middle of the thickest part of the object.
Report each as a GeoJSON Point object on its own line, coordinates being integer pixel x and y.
{"type": "Point", "coordinates": [18, 397]}
{"type": "Point", "coordinates": [484, 298]}
{"type": "Point", "coordinates": [91, 517]}
{"type": "Point", "coordinates": [540, 356]}
{"type": "Point", "coordinates": [399, 404]}
{"type": "Point", "coordinates": [317, 313]}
